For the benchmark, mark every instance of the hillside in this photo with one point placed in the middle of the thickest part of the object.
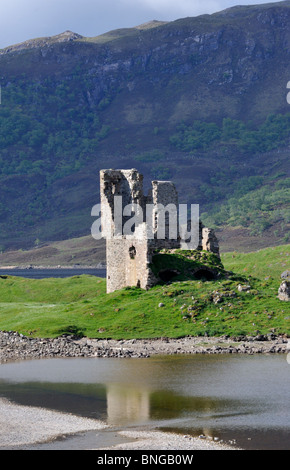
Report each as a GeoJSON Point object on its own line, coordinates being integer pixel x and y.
{"type": "Point", "coordinates": [201, 101]}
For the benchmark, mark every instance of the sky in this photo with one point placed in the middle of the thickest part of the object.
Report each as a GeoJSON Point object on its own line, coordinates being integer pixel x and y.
{"type": "Point", "coordinates": [21, 20]}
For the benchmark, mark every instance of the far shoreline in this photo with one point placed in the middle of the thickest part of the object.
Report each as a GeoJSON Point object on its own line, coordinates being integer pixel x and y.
{"type": "Point", "coordinates": [20, 267]}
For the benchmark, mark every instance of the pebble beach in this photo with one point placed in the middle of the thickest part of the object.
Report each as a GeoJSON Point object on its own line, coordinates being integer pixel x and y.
{"type": "Point", "coordinates": [25, 425]}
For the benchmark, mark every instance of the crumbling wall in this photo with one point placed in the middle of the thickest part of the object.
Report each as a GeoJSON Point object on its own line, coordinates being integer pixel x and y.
{"type": "Point", "coordinates": [129, 256]}
{"type": "Point", "coordinates": [164, 194]}
{"type": "Point", "coordinates": [128, 264]}
{"type": "Point", "coordinates": [125, 183]}
{"type": "Point", "coordinates": [209, 241]}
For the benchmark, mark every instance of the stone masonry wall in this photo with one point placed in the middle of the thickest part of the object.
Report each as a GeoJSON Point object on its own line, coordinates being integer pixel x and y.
{"type": "Point", "coordinates": [129, 256]}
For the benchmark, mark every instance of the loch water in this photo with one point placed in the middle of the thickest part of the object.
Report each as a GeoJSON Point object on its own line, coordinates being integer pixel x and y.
{"type": "Point", "coordinates": [237, 398]}
{"type": "Point", "coordinates": [38, 273]}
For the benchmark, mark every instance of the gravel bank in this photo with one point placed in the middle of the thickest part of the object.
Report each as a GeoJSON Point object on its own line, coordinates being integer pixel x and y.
{"type": "Point", "coordinates": [24, 425]}
{"type": "Point", "coordinates": [155, 440]}
{"type": "Point", "coordinates": [14, 346]}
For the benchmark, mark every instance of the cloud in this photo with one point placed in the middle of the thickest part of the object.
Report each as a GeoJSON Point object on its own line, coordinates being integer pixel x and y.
{"type": "Point", "coordinates": [177, 8]}
{"type": "Point", "coordinates": [173, 9]}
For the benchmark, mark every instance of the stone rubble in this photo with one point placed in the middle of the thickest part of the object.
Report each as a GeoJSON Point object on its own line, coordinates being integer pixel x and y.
{"type": "Point", "coordinates": [15, 346]}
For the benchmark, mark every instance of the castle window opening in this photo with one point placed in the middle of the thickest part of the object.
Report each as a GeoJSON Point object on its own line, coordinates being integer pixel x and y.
{"type": "Point", "coordinates": [132, 252]}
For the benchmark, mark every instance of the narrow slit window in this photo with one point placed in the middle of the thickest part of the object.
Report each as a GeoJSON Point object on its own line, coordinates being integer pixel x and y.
{"type": "Point", "coordinates": [132, 252]}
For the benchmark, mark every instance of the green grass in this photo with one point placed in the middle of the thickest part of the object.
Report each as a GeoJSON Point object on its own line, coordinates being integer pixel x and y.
{"type": "Point", "coordinates": [79, 305]}
{"type": "Point", "coordinates": [268, 262]}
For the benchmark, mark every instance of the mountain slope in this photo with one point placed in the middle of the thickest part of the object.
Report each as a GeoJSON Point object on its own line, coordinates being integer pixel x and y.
{"type": "Point", "coordinates": [187, 100]}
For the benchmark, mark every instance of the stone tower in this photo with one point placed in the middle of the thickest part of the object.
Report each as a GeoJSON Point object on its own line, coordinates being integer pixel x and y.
{"type": "Point", "coordinates": [129, 255]}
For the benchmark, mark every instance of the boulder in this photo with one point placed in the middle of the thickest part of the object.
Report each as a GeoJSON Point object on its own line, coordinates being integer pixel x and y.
{"type": "Point", "coordinates": [284, 291]}
{"type": "Point", "coordinates": [243, 288]}
{"type": "Point", "coordinates": [285, 274]}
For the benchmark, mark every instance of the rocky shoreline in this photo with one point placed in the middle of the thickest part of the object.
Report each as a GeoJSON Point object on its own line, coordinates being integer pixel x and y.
{"type": "Point", "coordinates": [15, 346]}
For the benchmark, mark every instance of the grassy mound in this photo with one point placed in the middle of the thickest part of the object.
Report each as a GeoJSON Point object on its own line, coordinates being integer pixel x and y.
{"type": "Point", "coordinates": [182, 265]}
{"type": "Point", "coordinates": [240, 300]}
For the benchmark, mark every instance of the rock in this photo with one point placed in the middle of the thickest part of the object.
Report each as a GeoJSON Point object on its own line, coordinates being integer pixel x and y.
{"type": "Point", "coordinates": [14, 346]}
{"type": "Point", "coordinates": [261, 338]}
{"type": "Point", "coordinates": [161, 304]}
{"type": "Point", "coordinates": [217, 299]}
{"type": "Point", "coordinates": [285, 274]}
{"type": "Point", "coordinates": [218, 296]}
{"type": "Point", "coordinates": [243, 288]}
{"type": "Point", "coordinates": [284, 291]}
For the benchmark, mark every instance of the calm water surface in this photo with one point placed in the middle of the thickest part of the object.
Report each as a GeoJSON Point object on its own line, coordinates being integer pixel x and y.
{"type": "Point", "coordinates": [246, 398]}
{"type": "Point", "coordinates": [45, 273]}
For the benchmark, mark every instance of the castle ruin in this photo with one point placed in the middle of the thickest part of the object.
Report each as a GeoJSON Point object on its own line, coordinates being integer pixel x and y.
{"type": "Point", "coordinates": [129, 256]}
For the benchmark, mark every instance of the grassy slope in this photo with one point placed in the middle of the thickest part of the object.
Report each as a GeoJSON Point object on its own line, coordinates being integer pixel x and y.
{"type": "Point", "coordinates": [261, 264]}
{"type": "Point", "coordinates": [80, 305]}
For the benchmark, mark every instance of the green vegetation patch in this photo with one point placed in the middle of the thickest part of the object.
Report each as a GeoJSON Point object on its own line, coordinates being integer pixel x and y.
{"type": "Point", "coordinates": [243, 301]}
{"type": "Point", "coordinates": [274, 132]}
{"type": "Point", "coordinates": [258, 208]}
{"type": "Point", "coordinates": [266, 264]}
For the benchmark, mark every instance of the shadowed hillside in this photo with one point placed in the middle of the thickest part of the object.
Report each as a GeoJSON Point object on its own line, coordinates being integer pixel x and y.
{"type": "Point", "coordinates": [200, 101]}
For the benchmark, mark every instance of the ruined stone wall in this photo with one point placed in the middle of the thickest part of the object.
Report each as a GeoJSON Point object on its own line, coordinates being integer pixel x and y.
{"type": "Point", "coordinates": [128, 261]}
{"type": "Point", "coordinates": [209, 241]}
{"type": "Point", "coordinates": [164, 193]}
{"type": "Point", "coordinates": [129, 256]}
{"type": "Point", "coordinates": [125, 183]}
